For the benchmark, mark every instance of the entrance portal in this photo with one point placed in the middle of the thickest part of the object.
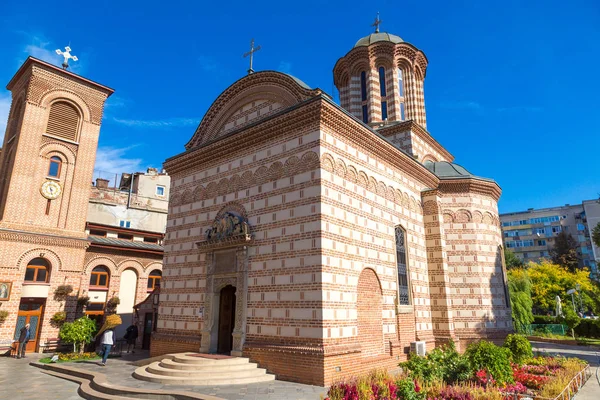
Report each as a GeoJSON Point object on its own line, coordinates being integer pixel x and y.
{"type": "Point", "coordinates": [30, 312]}
{"type": "Point", "coordinates": [226, 320]}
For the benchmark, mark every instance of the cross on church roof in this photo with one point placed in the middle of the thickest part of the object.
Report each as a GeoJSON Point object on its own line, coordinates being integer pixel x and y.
{"type": "Point", "coordinates": [376, 23]}
{"type": "Point", "coordinates": [251, 54]}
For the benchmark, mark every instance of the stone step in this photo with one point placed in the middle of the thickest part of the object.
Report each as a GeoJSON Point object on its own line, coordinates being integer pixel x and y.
{"type": "Point", "coordinates": [86, 390]}
{"type": "Point", "coordinates": [188, 359]}
{"type": "Point", "coordinates": [205, 379]}
{"type": "Point", "coordinates": [168, 363]}
{"type": "Point", "coordinates": [157, 369]}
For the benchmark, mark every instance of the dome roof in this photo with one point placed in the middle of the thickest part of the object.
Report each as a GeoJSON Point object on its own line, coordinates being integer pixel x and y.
{"type": "Point", "coordinates": [378, 37]}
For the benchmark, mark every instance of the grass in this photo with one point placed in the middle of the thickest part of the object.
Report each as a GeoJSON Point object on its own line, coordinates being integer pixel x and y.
{"type": "Point", "coordinates": [46, 360]}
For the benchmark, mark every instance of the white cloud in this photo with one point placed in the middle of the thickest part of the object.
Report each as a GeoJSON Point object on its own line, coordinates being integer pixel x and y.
{"type": "Point", "coordinates": [111, 162]}
{"type": "Point", "coordinates": [5, 100]}
{"type": "Point", "coordinates": [164, 123]}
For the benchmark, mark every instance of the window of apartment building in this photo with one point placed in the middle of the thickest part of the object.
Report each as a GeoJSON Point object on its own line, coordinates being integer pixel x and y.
{"type": "Point", "coordinates": [402, 266]}
{"type": "Point", "coordinates": [150, 240]}
{"type": "Point", "coordinates": [557, 229]}
{"type": "Point", "coordinates": [160, 191]}
{"type": "Point", "coordinates": [38, 270]}
{"type": "Point", "coordinates": [541, 242]}
{"type": "Point", "coordinates": [96, 232]}
{"type": "Point", "coordinates": [154, 279]}
{"type": "Point", "coordinates": [124, 224]}
{"type": "Point", "coordinates": [580, 227]}
{"type": "Point", "coordinates": [525, 255]}
{"type": "Point", "coordinates": [125, 236]}
{"type": "Point", "coordinates": [54, 167]}
{"type": "Point", "coordinates": [99, 277]}
{"type": "Point", "coordinates": [581, 238]}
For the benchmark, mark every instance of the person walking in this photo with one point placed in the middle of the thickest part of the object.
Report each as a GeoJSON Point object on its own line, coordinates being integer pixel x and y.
{"type": "Point", "coordinates": [24, 336]}
{"type": "Point", "coordinates": [131, 335]}
{"type": "Point", "coordinates": [106, 342]}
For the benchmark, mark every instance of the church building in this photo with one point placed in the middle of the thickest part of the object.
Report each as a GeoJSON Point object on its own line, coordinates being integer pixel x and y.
{"type": "Point", "coordinates": [323, 240]}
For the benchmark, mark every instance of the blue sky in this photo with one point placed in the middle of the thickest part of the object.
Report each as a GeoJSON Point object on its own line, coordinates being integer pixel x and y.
{"type": "Point", "coordinates": [511, 89]}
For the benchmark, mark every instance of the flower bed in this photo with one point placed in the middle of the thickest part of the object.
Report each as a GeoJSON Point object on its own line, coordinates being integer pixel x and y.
{"type": "Point", "coordinates": [480, 374]}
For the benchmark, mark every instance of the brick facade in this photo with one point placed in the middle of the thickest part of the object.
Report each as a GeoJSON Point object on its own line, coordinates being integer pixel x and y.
{"type": "Point", "coordinates": [31, 226]}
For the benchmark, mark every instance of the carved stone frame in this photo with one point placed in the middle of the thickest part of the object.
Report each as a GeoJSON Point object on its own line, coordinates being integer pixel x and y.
{"type": "Point", "coordinates": [215, 281]}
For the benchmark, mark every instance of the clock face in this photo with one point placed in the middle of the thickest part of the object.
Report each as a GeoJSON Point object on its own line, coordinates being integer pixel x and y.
{"type": "Point", "coordinates": [51, 190]}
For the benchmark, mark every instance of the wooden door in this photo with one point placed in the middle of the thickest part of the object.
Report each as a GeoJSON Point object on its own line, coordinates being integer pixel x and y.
{"type": "Point", "coordinates": [30, 312]}
{"type": "Point", "coordinates": [226, 320]}
{"type": "Point", "coordinates": [147, 331]}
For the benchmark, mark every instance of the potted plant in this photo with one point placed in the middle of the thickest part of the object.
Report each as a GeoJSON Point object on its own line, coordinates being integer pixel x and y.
{"type": "Point", "coordinates": [62, 291]}
{"type": "Point", "coordinates": [58, 319]}
{"type": "Point", "coordinates": [83, 300]}
{"type": "Point", "coordinates": [3, 316]}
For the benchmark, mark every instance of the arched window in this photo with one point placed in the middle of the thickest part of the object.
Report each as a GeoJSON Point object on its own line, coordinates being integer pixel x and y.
{"type": "Point", "coordinates": [402, 266]}
{"type": "Point", "coordinates": [54, 167]}
{"type": "Point", "coordinates": [63, 121]}
{"type": "Point", "coordinates": [382, 81]}
{"type": "Point", "coordinates": [99, 277]}
{"type": "Point", "coordinates": [382, 91]}
{"type": "Point", "coordinates": [38, 270]}
{"type": "Point", "coordinates": [154, 279]}
{"type": "Point", "coordinates": [401, 94]}
{"type": "Point", "coordinates": [363, 86]}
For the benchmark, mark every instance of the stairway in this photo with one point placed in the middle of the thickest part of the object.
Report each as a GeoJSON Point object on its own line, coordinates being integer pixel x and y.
{"type": "Point", "coordinates": [202, 369]}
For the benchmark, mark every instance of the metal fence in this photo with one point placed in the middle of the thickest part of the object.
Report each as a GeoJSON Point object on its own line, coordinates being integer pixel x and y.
{"type": "Point", "coordinates": [554, 329]}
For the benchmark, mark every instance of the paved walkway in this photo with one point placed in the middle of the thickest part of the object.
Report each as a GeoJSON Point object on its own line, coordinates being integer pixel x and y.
{"type": "Point", "coordinates": [19, 380]}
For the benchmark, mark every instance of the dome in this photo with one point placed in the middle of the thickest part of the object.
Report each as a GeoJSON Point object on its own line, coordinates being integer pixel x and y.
{"type": "Point", "coordinates": [378, 37]}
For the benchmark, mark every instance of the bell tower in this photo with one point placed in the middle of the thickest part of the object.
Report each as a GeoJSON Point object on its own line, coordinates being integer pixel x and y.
{"type": "Point", "coordinates": [381, 80]}
{"type": "Point", "coordinates": [49, 150]}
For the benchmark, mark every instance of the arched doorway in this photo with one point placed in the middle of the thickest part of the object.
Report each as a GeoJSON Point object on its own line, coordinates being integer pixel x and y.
{"type": "Point", "coordinates": [226, 319]}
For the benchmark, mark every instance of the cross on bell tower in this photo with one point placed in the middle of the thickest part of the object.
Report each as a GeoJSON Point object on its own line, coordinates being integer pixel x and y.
{"type": "Point", "coordinates": [251, 54]}
{"type": "Point", "coordinates": [67, 55]}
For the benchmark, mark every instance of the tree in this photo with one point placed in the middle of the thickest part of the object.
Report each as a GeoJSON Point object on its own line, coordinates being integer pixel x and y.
{"type": "Point", "coordinates": [596, 235]}
{"type": "Point", "coordinates": [79, 332]}
{"type": "Point", "coordinates": [570, 318]}
{"type": "Point", "coordinates": [550, 280]}
{"type": "Point", "coordinates": [564, 251]}
{"type": "Point", "coordinates": [519, 287]}
{"type": "Point", "coordinates": [511, 260]}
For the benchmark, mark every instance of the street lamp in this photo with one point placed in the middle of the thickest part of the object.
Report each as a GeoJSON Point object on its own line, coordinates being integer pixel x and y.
{"type": "Point", "coordinates": [571, 291]}
{"type": "Point", "coordinates": [578, 287]}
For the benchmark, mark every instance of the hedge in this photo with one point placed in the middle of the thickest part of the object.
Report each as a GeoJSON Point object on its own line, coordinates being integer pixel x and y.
{"type": "Point", "coordinates": [589, 328]}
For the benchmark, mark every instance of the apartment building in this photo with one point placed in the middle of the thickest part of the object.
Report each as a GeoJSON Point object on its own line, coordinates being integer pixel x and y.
{"type": "Point", "coordinates": [530, 234]}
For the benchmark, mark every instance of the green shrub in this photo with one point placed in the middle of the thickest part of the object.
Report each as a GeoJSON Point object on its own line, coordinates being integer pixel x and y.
{"type": "Point", "coordinates": [441, 364]}
{"type": "Point", "coordinates": [589, 328]}
{"type": "Point", "coordinates": [544, 319]}
{"type": "Point", "coordinates": [495, 360]}
{"type": "Point", "coordinates": [520, 348]}
{"type": "Point", "coordinates": [79, 332]}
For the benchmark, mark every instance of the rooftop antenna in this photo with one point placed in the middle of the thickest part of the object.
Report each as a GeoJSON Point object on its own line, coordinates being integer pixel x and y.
{"type": "Point", "coordinates": [67, 55]}
{"type": "Point", "coordinates": [376, 23]}
{"type": "Point", "coordinates": [251, 54]}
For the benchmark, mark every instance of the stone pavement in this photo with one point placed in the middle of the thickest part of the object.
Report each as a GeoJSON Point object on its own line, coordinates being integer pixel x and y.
{"type": "Point", "coordinates": [18, 374]}
{"type": "Point", "coordinates": [19, 380]}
